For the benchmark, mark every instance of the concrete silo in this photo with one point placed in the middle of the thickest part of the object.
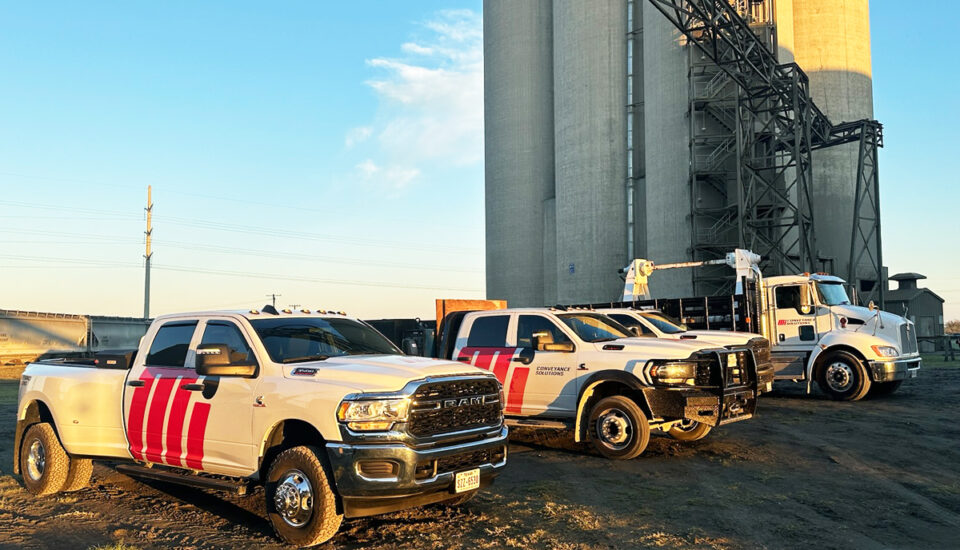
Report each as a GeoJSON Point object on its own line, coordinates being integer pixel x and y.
{"type": "Point", "coordinates": [832, 45]}
{"type": "Point", "coordinates": [518, 135]}
{"type": "Point", "coordinates": [589, 68]}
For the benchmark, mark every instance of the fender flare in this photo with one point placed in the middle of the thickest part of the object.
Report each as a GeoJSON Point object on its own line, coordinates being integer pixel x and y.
{"type": "Point", "coordinates": [586, 391]}
{"type": "Point", "coordinates": [32, 413]}
{"type": "Point", "coordinates": [824, 348]}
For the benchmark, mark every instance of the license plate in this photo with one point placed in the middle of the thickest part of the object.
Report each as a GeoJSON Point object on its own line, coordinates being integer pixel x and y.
{"type": "Point", "coordinates": [467, 481]}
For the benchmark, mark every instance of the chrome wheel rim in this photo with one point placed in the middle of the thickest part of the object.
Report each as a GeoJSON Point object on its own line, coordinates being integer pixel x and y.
{"type": "Point", "coordinates": [839, 376]}
{"type": "Point", "coordinates": [36, 460]}
{"type": "Point", "coordinates": [293, 498]}
{"type": "Point", "coordinates": [614, 429]}
{"type": "Point", "coordinates": [686, 425]}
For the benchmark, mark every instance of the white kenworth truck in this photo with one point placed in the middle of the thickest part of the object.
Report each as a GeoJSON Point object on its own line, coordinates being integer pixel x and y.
{"type": "Point", "coordinates": [318, 408]}
{"type": "Point", "coordinates": [583, 371]}
{"type": "Point", "coordinates": [817, 334]}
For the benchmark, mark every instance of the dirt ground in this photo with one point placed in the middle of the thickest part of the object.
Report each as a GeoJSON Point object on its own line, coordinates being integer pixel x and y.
{"type": "Point", "coordinates": [807, 472]}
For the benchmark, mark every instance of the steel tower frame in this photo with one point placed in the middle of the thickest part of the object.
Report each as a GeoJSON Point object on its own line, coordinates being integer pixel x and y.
{"type": "Point", "coordinates": [776, 127]}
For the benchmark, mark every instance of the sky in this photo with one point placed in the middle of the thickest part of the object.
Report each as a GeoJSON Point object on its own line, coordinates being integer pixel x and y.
{"type": "Point", "coordinates": [330, 153]}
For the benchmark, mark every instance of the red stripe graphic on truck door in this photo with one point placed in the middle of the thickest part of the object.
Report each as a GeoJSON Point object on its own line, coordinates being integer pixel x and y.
{"type": "Point", "coordinates": [178, 414]}
{"type": "Point", "coordinates": [138, 407]}
{"type": "Point", "coordinates": [518, 383]}
{"type": "Point", "coordinates": [492, 359]}
{"type": "Point", "coordinates": [198, 428]}
{"type": "Point", "coordinates": [158, 413]}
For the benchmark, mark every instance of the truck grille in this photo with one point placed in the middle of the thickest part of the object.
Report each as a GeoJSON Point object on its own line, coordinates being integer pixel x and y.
{"type": "Point", "coordinates": [761, 350]}
{"type": "Point", "coordinates": [455, 405]}
{"type": "Point", "coordinates": [908, 338]}
{"type": "Point", "coordinates": [459, 462]}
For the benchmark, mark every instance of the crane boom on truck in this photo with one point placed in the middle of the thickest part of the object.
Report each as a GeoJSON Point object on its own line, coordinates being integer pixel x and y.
{"type": "Point", "coordinates": [816, 333]}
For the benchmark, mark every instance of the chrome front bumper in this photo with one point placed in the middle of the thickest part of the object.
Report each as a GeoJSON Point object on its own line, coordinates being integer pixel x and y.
{"type": "Point", "coordinates": [891, 371]}
{"type": "Point", "coordinates": [367, 495]}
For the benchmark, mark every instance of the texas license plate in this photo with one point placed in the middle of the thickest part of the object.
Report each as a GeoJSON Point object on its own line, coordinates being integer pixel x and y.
{"type": "Point", "coordinates": [467, 481]}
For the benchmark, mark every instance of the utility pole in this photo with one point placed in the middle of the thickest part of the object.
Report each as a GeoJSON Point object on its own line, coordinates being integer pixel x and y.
{"type": "Point", "coordinates": [274, 298]}
{"type": "Point", "coordinates": [147, 256]}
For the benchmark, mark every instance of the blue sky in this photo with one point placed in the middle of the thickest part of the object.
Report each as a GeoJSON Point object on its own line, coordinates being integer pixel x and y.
{"type": "Point", "coordinates": [329, 152]}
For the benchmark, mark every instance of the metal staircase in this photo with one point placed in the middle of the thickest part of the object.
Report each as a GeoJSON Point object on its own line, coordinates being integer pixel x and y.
{"type": "Point", "coordinates": [753, 130]}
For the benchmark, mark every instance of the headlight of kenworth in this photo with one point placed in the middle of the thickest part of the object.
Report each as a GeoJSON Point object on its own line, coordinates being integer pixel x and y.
{"type": "Point", "coordinates": [368, 415]}
{"type": "Point", "coordinates": [885, 351]}
{"type": "Point", "coordinates": [674, 373]}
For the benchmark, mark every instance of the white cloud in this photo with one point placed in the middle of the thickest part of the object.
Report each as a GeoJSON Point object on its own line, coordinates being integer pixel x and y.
{"type": "Point", "coordinates": [431, 99]}
{"type": "Point", "coordinates": [357, 135]}
{"type": "Point", "coordinates": [393, 177]}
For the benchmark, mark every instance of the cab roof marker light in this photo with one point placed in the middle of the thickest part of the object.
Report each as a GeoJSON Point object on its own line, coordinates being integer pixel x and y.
{"type": "Point", "coordinates": [304, 310]}
{"type": "Point", "coordinates": [254, 312]}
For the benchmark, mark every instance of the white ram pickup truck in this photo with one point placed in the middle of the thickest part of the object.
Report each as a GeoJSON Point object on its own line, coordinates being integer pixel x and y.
{"type": "Point", "coordinates": [652, 323]}
{"type": "Point", "coordinates": [319, 408]}
{"type": "Point", "coordinates": [582, 370]}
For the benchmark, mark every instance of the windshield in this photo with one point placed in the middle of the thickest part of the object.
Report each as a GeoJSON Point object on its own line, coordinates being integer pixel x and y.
{"type": "Point", "coordinates": [832, 294]}
{"type": "Point", "coordinates": [593, 327]}
{"type": "Point", "coordinates": [291, 340]}
{"type": "Point", "coordinates": [663, 322]}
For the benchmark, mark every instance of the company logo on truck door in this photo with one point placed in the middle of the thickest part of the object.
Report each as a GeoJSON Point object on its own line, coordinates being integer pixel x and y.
{"type": "Point", "coordinates": [162, 402]}
{"type": "Point", "coordinates": [500, 362]}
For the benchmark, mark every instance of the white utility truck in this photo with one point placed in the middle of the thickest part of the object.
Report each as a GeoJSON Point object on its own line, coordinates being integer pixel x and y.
{"type": "Point", "coordinates": [319, 408]}
{"type": "Point", "coordinates": [583, 371]}
{"type": "Point", "coordinates": [653, 323]}
{"type": "Point", "coordinates": [817, 334]}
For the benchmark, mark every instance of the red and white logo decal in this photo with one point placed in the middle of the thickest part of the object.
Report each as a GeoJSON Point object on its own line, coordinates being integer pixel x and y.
{"type": "Point", "coordinates": [162, 402]}
{"type": "Point", "coordinates": [499, 361]}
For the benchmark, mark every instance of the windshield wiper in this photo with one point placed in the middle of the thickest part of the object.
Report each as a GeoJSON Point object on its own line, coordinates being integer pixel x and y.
{"type": "Point", "coordinates": [304, 358]}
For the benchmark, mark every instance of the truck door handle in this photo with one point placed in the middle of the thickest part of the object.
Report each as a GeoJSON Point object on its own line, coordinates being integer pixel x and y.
{"type": "Point", "coordinates": [782, 337]}
{"type": "Point", "coordinates": [135, 383]}
{"type": "Point", "coordinates": [192, 387]}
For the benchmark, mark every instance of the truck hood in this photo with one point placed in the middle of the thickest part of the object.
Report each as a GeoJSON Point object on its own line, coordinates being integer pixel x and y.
{"type": "Point", "coordinates": [888, 329]}
{"type": "Point", "coordinates": [720, 337]}
{"type": "Point", "coordinates": [376, 373]}
{"type": "Point", "coordinates": [658, 348]}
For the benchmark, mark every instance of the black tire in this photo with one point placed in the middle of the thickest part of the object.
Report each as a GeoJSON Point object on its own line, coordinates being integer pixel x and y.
{"type": "Point", "coordinates": [43, 461]}
{"type": "Point", "coordinates": [460, 500]}
{"type": "Point", "coordinates": [843, 377]}
{"type": "Point", "coordinates": [79, 475]}
{"type": "Point", "coordinates": [618, 428]}
{"type": "Point", "coordinates": [885, 388]}
{"type": "Point", "coordinates": [300, 502]}
{"type": "Point", "coordinates": [689, 430]}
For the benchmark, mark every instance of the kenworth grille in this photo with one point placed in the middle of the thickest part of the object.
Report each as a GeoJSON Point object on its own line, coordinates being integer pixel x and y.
{"type": "Point", "coordinates": [908, 339]}
{"type": "Point", "coordinates": [455, 405]}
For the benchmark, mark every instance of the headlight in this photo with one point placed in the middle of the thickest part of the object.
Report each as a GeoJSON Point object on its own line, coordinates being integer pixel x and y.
{"type": "Point", "coordinates": [366, 415]}
{"type": "Point", "coordinates": [674, 373]}
{"type": "Point", "coordinates": [885, 351]}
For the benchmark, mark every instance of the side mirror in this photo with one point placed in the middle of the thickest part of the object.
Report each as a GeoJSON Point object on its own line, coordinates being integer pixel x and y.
{"type": "Point", "coordinates": [635, 330]}
{"type": "Point", "coordinates": [214, 360]}
{"type": "Point", "coordinates": [526, 356]}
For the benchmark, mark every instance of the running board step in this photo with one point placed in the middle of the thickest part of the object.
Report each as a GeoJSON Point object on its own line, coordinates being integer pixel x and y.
{"type": "Point", "coordinates": [537, 423]}
{"type": "Point", "coordinates": [236, 487]}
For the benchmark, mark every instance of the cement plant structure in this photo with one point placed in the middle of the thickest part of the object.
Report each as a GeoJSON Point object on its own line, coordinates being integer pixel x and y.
{"type": "Point", "coordinates": [675, 131]}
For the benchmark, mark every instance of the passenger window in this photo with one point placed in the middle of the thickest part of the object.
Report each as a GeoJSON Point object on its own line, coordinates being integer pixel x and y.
{"type": "Point", "coordinates": [629, 322]}
{"type": "Point", "coordinates": [227, 334]}
{"type": "Point", "coordinates": [529, 325]}
{"type": "Point", "coordinates": [788, 297]}
{"type": "Point", "coordinates": [489, 332]}
{"type": "Point", "coordinates": [170, 345]}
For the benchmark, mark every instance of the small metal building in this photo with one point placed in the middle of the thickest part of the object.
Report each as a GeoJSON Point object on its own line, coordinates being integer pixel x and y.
{"type": "Point", "coordinates": [920, 305]}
